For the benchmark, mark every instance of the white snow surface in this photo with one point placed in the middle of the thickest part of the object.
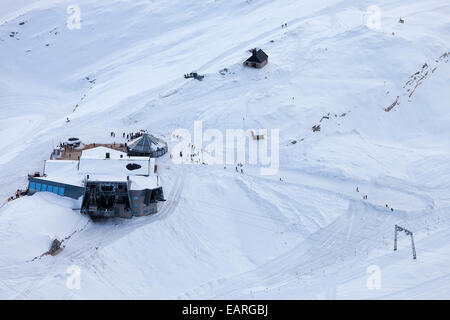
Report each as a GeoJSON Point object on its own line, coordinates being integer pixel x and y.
{"type": "Point", "coordinates": [223, 234]}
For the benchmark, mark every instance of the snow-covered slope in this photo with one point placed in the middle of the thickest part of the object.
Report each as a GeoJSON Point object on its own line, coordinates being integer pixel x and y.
{"type": "Point", "coordinates": [302, 233]}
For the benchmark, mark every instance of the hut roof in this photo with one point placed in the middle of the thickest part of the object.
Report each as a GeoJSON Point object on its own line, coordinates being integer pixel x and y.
{"type": "Point", "coordinates": [258, 56]}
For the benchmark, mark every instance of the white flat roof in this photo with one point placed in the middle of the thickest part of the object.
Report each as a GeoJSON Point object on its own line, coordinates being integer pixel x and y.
{"type": "Point", "coordinates": [60, 166]}
{"type": "Point", "coordinates": [140, 182]}
{"type": "Point", "coordinates": [115, 167]}
{"type": "Point", "coordinates": [106, 178]}
{"type": "Point", "coordinates": [74, 180]}
{"type": "Point", "coordinates": [100, 153]}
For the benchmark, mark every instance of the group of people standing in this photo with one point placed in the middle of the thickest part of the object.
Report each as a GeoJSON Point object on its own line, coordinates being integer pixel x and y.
{"type": "Point", "coordinates": [18, 194]}
{"type": "Point", "coordinates": [132, 135]}
{"type": "Point", "coordinates": [129, 136]}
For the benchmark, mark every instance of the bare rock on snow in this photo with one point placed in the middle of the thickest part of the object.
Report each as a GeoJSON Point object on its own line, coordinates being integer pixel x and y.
{"type": "Point", "coordinates": [55, 248]}
{"type": "Point", "coordinates": [392, 105]}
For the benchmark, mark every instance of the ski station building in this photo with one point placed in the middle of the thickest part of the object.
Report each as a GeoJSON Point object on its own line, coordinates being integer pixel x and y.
{"type": "Point", "coordinates": [107, 182]}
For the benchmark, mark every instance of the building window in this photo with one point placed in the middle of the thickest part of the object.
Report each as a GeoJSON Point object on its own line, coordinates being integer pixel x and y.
{"type": "Point", "coordinates": [50, 188]}
{"type": "Point", "coordinates": [61, 191]}
{"type": "Point", "coordinates": [38, 186]}
{"type": "Point", "coordinates": [55, 189]}
{"type": "Point", "coordinates": [44, 187]}
{"type": "Point", "coordinates": [32, 186]}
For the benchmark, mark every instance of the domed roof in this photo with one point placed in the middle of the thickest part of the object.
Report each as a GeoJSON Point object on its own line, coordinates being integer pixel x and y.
{"type": "Point", "coordinates": [146, 145]}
